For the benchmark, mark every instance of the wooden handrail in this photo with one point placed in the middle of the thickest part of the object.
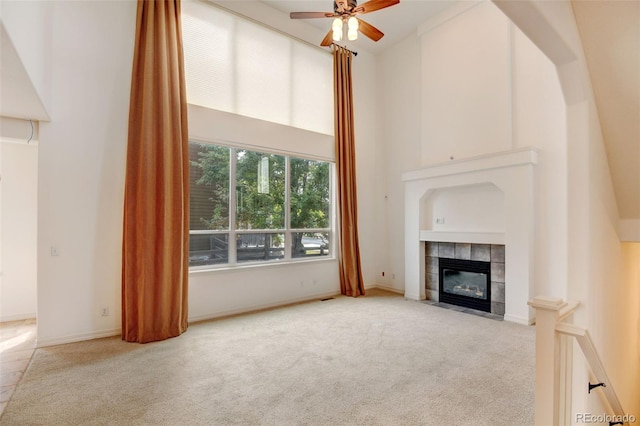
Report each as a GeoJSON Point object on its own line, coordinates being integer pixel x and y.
{"type": "Point", "coordinates": [595, 363]}
{"type": "Point", "coordinates": [567, 310]}
{"type": "Point", "coordinates": [554, 363]}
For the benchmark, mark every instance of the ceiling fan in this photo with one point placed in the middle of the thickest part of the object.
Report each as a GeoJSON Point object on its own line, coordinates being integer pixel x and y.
{"type": "Point", "coordinates": [346, 11]}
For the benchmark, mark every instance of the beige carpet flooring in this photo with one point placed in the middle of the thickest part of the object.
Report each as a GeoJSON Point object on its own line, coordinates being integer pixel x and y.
{"type": "Point", "coordinates": [374, 360]}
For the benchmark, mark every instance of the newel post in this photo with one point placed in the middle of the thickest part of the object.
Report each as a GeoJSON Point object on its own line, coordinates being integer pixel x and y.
{"type": "Point", "coordinates": [547, 397]}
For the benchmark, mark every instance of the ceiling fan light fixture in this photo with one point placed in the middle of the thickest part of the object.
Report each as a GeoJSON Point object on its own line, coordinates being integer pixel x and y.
{"type": "Point", "coordinates": [352, 33]}
{"type": "Point", "coordinates": [336, 26]}
{"type": "Point", "coordinates": [344, 12]}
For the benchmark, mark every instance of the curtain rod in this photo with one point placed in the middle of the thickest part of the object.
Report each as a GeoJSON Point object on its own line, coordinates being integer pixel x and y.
{"type": "Point", "coordinates": [352, 51]}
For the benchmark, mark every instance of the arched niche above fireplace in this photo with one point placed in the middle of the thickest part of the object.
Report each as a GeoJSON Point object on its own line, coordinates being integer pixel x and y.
{"type": "Point", "coordinates": [471, 208]}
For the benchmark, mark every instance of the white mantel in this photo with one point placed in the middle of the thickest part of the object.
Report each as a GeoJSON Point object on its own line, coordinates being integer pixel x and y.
{"type": "Point", "coordinates": [512, 172]}
{"type": "Point", "coordinates": [463, 237]}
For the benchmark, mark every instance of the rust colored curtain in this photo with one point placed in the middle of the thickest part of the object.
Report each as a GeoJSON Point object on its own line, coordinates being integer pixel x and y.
{"type": "Point", "coordinates": [156, 217]}
{"type": "Point", "coordinates": [351, 282]}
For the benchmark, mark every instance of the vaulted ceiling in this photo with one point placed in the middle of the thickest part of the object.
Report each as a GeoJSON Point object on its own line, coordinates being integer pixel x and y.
{"type": "Point", "coordinates": [610, 34]}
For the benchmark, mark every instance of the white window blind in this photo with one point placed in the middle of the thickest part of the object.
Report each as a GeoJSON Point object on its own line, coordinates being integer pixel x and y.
{"type": "Point", "coordinates": [239, 66]}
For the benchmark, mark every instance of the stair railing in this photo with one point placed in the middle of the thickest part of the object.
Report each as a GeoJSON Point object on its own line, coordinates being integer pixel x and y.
{"type": "Point", "coordinates": [554, 357]}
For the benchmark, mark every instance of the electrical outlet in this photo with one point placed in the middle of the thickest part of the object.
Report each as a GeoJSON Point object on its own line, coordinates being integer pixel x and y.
{"type": "Point", "coordinates": [440, 220]}
{"type": "Point", "coordinates": [105, 312]}
{"type": "Point", "coordinates": [55, 251]}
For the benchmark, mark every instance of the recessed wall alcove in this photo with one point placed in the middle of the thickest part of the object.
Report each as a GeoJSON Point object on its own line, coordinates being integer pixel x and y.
{"type": "Point", "coordinates": [511, 173]}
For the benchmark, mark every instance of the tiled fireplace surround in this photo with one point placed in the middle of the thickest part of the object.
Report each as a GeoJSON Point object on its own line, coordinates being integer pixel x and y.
{"type": "Point", "coordinates": [494, 253]}
{"type": "Point", "coordinates": [510, 172]}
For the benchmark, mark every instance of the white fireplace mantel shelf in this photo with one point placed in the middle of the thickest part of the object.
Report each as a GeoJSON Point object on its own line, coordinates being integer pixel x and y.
{"type": "Point", "coordinates": [463, 237]}
{"type": "Point", "coordinates": [515, 157]}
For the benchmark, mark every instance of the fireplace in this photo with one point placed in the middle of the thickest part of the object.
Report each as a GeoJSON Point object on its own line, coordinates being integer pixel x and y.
{"type": "Point", "coordinates": [513, 174]}
{"type": "Point", "coordinates": [465, 283]}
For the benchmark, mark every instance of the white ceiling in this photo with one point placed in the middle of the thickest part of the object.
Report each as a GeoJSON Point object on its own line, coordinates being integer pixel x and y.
{"type": "Point", "coordinates": [396, 22]}
{"type": "Point", "coordinates": [610, 33]}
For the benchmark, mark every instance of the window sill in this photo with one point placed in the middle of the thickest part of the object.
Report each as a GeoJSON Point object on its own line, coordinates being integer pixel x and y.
{"type": "Point", "coordinates": [245, 266]}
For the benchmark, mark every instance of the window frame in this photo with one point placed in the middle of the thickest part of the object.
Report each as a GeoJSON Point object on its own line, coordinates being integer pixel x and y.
{"type": "Point", "coordinates": [232, 230]}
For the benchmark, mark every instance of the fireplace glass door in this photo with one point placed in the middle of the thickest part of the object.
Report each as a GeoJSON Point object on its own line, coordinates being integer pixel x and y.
{"type": "Point", "coordinates": [465, 283]}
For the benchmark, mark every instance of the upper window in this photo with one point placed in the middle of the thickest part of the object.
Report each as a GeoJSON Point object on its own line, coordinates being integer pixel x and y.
{"type": "Point", "coordinates": [250, 206]}
{"type": "Point", "coordinates": [238, 66]}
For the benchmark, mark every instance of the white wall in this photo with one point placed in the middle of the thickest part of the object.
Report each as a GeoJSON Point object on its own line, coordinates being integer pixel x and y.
{"type": "Point", "coordinates": [370, 161]}
{"type": "Point", "coordinates": [481, 87]}
{"type": "Point", "coordinates": [18, 225]}
{"type": "Point", "coordinates": [539, 118]}
{"type": "Point", "coordinates": [610, 292]}
{"type": "Point", "coordinates": [399, 100]}
{"type": "Point", "coordinates": [476, 208]}
{"type": "Point", "coordinates": [81, 170]}
{"type": "Point", "coordinates": [466, 86]}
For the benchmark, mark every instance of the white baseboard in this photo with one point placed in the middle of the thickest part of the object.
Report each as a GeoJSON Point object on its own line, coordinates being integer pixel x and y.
{"type": "Point", "coordinates": [41, 343]}
{"type": "Point", "coordinates": [20, 317]}
{"type": "Point", "coordinates": [412, 296]}
{"type": "Point", "coordinates": [254, 308]}
{"type": "Point", "coordinates": [73, 338]}
{"type": "Point", "coordinates": [388, 288]}
{"type": "Point", "coordinates": [519, 320]}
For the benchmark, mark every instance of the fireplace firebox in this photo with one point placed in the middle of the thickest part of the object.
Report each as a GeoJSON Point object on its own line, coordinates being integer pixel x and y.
{"type": "Point", "coordinates": [465, 283]}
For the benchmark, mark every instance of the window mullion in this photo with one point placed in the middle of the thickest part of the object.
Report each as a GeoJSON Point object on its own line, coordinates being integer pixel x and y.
{"type": "Point", "coordinates": [233, 258]}
{"type": "Point", "coordinates": [287, 209]}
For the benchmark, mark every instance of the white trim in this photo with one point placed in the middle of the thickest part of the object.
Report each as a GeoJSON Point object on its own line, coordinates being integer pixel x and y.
{"type": "Point", "coordinates": [19, 317]}
{"type": "Point", "coordinates": [519, 320]}
{"type": "Point", "coordinates": [463, 237]}
{"type": "Point", "coordinates": [413, 296]}
{"type": "Point", "coordinates": [208, 125]}
{"type": "Point", "coordinates": [81, 337]}
{"type": "Point", "coordinates": [387, 288]}
{"type": "Point", "coordinates": [266, 264]}
{"type": "Point", "coordinates": [259, 307]}
{"type": "Point", "coordinates": [497, 160]}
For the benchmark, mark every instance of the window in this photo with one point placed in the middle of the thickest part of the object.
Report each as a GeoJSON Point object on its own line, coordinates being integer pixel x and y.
{"type": "Point", "coordinates": [250, 206]}
{"type": "Point", "coordinates": [239, 66]}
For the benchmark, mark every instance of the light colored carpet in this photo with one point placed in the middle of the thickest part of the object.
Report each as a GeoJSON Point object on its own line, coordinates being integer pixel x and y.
{"type": "Point", "coordinates": [373, 360]}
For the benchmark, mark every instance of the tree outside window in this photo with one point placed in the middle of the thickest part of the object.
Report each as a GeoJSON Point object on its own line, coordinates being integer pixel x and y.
{"type": "Point", "coordinates": [258, 189]}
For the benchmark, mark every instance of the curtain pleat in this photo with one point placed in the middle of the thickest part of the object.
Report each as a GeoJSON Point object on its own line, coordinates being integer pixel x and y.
{"type": "Point", "coordinates": [156, 218]}
{"type": "Point", "coordinates": [351, 282]}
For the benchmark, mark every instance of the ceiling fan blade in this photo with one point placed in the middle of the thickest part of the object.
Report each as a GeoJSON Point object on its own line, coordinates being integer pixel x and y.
{"type": "Point", "coordinates": [328, 39]}
{"type": "Point", "coordinates": [374, 5]}
{"type": "Point", "coordinates": [369, 30]}
{"type": "Point", "coordinates": [307, 15]}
